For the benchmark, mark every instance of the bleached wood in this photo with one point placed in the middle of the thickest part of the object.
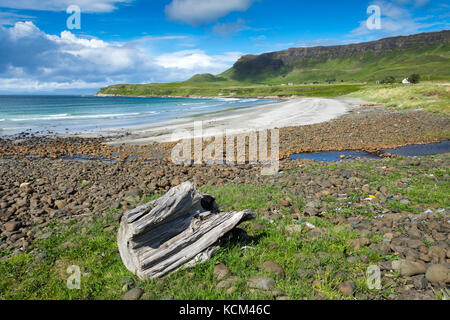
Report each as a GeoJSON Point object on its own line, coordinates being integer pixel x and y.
{"type": "Point", "coordinates": [181, 227]}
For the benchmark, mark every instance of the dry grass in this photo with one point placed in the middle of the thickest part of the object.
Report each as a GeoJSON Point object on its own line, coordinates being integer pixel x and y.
{"type": "Point", "coordinates": [432, 97]}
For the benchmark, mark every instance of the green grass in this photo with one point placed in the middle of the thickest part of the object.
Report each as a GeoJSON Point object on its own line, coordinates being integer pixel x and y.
{"type": "Point", "coordinates": [431, 97]}
{"type": "Point", "coordinates": [430, 62]}
{"type": "Point", "coordinates": [91, 245]}
{"type": "Point", "coordinates": [229, 89]}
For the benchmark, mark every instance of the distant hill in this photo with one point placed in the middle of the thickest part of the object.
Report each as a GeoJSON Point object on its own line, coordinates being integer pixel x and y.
{"type": "Point", "coordinates": [206, 77]}
{"type": "Point", "coordinates": [427, 54]}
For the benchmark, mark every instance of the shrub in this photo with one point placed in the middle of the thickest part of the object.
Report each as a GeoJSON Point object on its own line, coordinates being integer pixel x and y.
{"type": "Point", "coordinates": [388, 79]}
{"type": "Point", "coordinates": [414, 78]}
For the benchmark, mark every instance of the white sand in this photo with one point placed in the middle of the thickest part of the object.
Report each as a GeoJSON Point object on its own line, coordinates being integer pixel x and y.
{"type": "Point", "coordinates": [295, 112]}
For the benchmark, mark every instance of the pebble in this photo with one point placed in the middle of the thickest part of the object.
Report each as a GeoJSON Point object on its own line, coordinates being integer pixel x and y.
{"type": "Point", "coordinates": [221, 271]}
{"type": "Point", "coordinates": [273, 267]}
{"type": "Point", "coordinates": [227, 283]}
{"type": "Point", "coordinates": [420, 282]}
{"type": "Point", "coordinates": [262, 283]}
{"type": "Point", "coordinates": [12, 226]}
{"type": "Point", "coordinates": [133, 294]}
{"type": "Point", "coordinates": [347, 288]}
{"type": "Point", "coordinates": [438, 273]}
{"type": "Point", "coordinates": [409, 268]}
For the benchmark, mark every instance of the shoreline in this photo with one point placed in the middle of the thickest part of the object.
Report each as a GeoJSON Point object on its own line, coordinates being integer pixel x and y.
{"type": "Point", "coordinates": [356, 125]}
{"type": "Point", "coordinates": [288, 113]}
{"type": "Point", "coordinates": [280, 97]}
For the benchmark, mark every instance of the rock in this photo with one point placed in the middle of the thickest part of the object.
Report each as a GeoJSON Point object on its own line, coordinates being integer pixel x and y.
{"type": "Point", "coordinates": [415, 233]}
{"type": "Point", "coordinates": [278, 292]}
{"type": "Point", "coordinates": [227, 283]}
{"type": "Point", "coordinates": [40, 257]}
{"type": "Point", "coordinates": [230, 290]}
{"type": "Point", "coordinates": [221, 271]}
{"type": "Point", "coordinates": [115, 205]}
{"type": "Point", "coordinates": [439, 236]}
{"type": "Point", "coordinates": [437, 255]}
{"type": "Point", "coordinates": [262, 283]}
{"type": "Point", "coordinates": [127, 280]}
{"type": "Point", "coordinates": [438, 273]}
{"type": "Point", "coordinates": [273, 267]}
{"type": "Point", "coordinates": [148, 296]}
{"type": "Point", "coordinates": [283, 298]}
{"type": "Point", "coordinates": [420, 282]}
{"type": "Point", "coordinates": [133, 294]}
{"type": "Point", "coordinates": [287, 202]}
{"type": "Point", "coordinates": [45, 235]}
{"type": "Point", "coordinates": [60, 204]}
{"type": "Point", "coordinates": [347, 288]}
{"type": "Point", "coordinates": [356, 244]}
{"type": "Point", "coordinates": [385, 265]}
{"type": "Point", "coordinates": [409, 268]}
{"type": "Point", "coordinates": [12, 226]}
{"type": "Point", "coordinates": [414, 244]}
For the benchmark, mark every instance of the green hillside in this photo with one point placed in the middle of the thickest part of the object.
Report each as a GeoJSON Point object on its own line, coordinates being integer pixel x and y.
{"type": "Point", "coordinates": [431, 63]}
{"type": "Point", "coordinates": [317, 71]}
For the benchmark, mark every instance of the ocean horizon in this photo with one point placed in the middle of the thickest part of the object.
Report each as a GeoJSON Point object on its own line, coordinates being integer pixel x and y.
{"type": "Point", "coordinates": [69, 114]}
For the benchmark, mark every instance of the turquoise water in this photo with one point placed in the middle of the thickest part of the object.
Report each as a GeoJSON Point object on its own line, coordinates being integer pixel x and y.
{"type": "Point", "coordinates": [335, 156]}
{"type": "Point", "coordinates": [77, 114]}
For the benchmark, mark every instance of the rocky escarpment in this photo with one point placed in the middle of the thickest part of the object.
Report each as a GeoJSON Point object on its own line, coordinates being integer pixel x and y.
{"type": "Point", "coordinates": [250, 66]}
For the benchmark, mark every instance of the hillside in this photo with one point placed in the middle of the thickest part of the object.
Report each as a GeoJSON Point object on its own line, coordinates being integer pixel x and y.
{"type": "Point", "coordinates": [427, 54]}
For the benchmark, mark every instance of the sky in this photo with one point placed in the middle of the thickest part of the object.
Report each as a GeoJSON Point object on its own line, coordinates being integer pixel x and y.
{"type": "Point", "coordinates": [47, 47]}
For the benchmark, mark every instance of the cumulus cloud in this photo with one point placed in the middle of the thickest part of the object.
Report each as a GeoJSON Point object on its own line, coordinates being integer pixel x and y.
{"type": "Point", "coordinates": [199, 12]}
{"type": "Point", "coordinates": [30, 59]}
{"type": "Point", "coordinates": [62, 5]}
{"type": "Point", "coordinates": [197, 59]}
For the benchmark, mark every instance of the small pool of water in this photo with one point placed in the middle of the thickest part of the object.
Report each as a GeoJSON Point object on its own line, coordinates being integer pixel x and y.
{"type": "Point", "coordinates": [335, 155]}
{"type": "Point", "coordinates": [416, 150]}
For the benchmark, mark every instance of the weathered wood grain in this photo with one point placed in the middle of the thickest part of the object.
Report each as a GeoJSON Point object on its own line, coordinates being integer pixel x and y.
{"type": "Point", "coordinates": [181, 227]}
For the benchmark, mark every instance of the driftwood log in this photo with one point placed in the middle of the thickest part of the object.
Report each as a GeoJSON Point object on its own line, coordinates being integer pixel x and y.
{"type": "Point", "coordinates": [183, 226]}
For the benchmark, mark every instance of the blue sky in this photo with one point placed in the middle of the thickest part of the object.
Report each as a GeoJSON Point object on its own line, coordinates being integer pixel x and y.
{"type": "Point", "coordinates": [137, 41]}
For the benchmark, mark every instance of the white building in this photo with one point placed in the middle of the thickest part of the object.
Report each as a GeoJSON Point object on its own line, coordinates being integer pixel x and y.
{"type": "Point", "coordinates": [405, 81]}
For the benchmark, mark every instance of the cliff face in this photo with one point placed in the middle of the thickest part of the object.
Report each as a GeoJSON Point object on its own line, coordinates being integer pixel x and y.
{"type": "Point", "coordinates": [280, 61]}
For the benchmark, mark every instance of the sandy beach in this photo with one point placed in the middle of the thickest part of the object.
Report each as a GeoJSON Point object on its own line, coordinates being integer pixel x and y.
{"type": "Point", "coordinates": [294, 112]}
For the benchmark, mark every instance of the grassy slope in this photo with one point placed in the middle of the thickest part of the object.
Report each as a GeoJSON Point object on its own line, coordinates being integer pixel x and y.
{"type": "Point", "coordinates": [229, 89]}
{"type": "Point", "coordinates": [432, 63]}
{"type": "Point", "coordinates": [92, 246]}
{"type": "Point", "coordinates": [427, 96]}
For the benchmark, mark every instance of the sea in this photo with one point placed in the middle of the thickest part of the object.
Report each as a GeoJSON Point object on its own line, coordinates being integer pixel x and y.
{"type": "Point", "coordinates": [90, 114]}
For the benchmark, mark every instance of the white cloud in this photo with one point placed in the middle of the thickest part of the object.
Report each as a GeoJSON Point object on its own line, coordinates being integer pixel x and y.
{"type": "Point", "coordinates": [198, 12]}
{"type": "Point", "coordinates": [227, 29]}
{"type": "Point", "coordinates": [10, 18]}
{"type": "Point", "coordinates": [396, 19]}
{"type": "Point", "coordinates": [197, 60]}
{"type": "Point", "coordinates": [62, 5]}
{"type": "Point", "coordinates": [32, 60]}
